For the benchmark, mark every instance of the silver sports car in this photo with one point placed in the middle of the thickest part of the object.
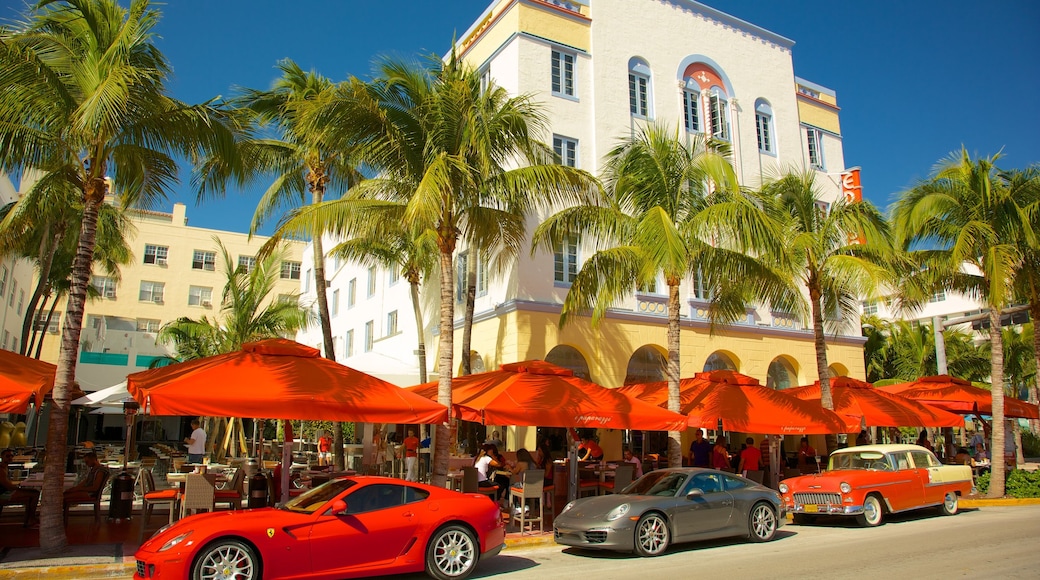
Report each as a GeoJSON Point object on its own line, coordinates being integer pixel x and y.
{"type": "Point", "coordinates": [672, 505]}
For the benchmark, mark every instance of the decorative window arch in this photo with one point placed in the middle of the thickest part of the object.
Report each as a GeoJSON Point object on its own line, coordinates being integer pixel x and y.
{"type": "Point", "coordinates": [646, 365]}
{"type": "Point", "coordinates": [639, 94]}
{"type": "Point", "coordinates": [571, 358]}
{"type": "Point", "coordinates": [781, 374]}
{"type": "Point", "coordinates": [764, 127]}
{"type": "Point", "coordinates": [719, 361]}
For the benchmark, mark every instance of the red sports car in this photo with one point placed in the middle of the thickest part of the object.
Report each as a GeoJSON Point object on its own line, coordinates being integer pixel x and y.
{"type": "Point", "coordinates": [348, 528]}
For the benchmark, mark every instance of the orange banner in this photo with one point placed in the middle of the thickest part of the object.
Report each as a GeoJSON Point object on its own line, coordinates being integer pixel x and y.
{"type": "Point", "coordinates": [850, 186]}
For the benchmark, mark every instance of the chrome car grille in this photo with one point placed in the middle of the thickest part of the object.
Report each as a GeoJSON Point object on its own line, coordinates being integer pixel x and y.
{"type": "Point", "coordinates": [596, 536]}
{"type": "Point", "coordinates": [817, 498]}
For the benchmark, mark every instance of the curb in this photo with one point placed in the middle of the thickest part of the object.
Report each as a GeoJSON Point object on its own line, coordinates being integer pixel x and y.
{"type": "Point", "coordinates": [999, 502]}
{"type": "Point", "coordinates": [75, 572]}
{"type": "Point", "coordinates": [532, 541]}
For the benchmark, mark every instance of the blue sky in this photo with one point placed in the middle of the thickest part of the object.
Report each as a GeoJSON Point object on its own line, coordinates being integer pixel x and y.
{"type": "Point", "coordinates": [915, 80]}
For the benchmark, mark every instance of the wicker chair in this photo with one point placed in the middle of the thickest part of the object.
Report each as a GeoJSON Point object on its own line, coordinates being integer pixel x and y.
{"type": "Point", "coordinates": [623, 476]}
{"type": "Point", "coordinates": [93, 498]}
{"type": "Point", "coordinates": [198, 493]}
{"type": "Point", "coordinates": [529, 489]}
{"type": "Point", "coordinates": [233, 492]}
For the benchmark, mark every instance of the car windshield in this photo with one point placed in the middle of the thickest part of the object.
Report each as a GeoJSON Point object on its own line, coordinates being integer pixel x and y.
{"type": "Point", "coordinates": [860, 460]}
{"type": "Point", "coordinates": [657, 483]}
{"type": "Point", "coordinates": [316, 498]}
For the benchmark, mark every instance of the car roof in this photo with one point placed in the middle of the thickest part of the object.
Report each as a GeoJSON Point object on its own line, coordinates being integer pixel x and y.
{"type": "Point", "coordinates": [889, 448]}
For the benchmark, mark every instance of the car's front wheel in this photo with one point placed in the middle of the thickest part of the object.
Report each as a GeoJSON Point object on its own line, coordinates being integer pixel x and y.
{"type": "Point", "coordinates": [226, 559]}
{"type": "Point", "coordinates": [451, 554]}
{"type": "Point", "coordinates": [762, 523]}
{"type": "Point", "coordinates": [949, 505]}
{"type": "Point", "coordinates": [652, 535]}
{"type": "Point", "coordinates": [872, 513]}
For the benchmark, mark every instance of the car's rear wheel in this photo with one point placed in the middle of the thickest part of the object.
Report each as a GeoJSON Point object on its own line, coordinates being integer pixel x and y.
{"type": "Point", "coordinates": [804, 519]}
{"type": "Point", "coordinates": [652, 535]}
{"type": "Point", "coordinates": [872, 513]}
{"type": "Point", "coordinates": [949, 504]}
{"type": "Point", "coordinates": [762, 523]}
{"type": "Point", "coordinates": [226, 560]}
{"type": "Point", "coordinates": [451, 554]}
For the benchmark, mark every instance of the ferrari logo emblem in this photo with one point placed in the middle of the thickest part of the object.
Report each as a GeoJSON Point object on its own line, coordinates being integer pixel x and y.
{"type": "Point", "coordinates": [270, 532]}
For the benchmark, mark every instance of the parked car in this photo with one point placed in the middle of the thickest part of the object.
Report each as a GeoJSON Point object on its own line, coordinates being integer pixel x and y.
{"type": "Point", "coordinates": [870, 481]}
{"type": "Point", "coordinates": [669, 506]}
{"type": "Point", "coordinates": [346, 528]}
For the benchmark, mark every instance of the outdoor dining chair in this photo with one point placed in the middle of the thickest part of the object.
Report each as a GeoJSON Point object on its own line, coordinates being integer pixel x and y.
{"type": "Point", "coordinates": [623, 476]}
{"type": "Point", "coordinates": [233, 492]}
{"type": "Point", "coordinates": [529, 489]}
{"type": "Point", "coordinates": [756, 475]}
{"type": "Point", "coordinates": [471, 483]}
{"type": "Point", "coordinates": [94, 498]}
{"type": "Point", "coordinates": [198, 493]}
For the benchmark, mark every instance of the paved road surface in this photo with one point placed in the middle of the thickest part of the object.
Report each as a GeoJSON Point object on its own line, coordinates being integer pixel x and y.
{"type": "Point", "coordinates": [995, 542]}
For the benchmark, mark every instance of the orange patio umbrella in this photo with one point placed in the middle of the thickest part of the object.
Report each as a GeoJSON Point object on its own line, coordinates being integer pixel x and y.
{"type": "Point", "coordinates": [743, 405]}
{"type": "Point", "coordinates": [277, 379]}
{"type": "Point", "coordinates": [876, 407]}
{"type": "Point", "coordinates": [960, 396]}
{"type": "Point", "coordinates": [540, 393]}
{"type": "Point", "coordinates": [21, 379]}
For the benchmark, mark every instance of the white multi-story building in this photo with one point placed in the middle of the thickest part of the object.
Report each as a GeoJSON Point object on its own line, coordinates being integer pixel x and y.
{"type": "Point", "coordinates": [16, 283]}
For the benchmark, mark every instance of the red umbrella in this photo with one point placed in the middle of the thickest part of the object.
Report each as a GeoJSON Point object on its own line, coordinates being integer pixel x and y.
{"type": "Point", "coordinates": [960, 396]}
{"type": "Point", "coordinates": [278, 379]}
{"type": "Point", "coordinates": [744, 405]}
{"type": "Point", "coordinates": [22, 378]}
{"type": "Point", "coordinates": [860, 399]}
{"type": "Point", "coordinates": [540, 393]}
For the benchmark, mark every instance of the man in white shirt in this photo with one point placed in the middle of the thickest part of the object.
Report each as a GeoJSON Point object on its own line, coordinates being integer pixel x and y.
{"type": "Point", "coordinates": [196, 443]}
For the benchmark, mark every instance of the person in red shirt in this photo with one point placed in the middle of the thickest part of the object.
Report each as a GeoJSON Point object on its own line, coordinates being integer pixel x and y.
{"type": "Point", "coordinates": [806, 457]}
{"type": "Point", "coordinates": [324, 449]}
{"type": "Point", "coordinates": [411, 456]}
{"type": "Point", "coordinates": [750, 458]}
{"type": "Point", "coordinates": [590, 450]}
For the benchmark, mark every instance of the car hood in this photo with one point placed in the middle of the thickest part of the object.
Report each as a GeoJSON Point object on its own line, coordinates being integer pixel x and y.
{"type": "Point", "coordinates": [826, 481]}
{"type": "Point", "coordinates": [599, 507]}
{"type": "Point", "coordinates": [202, 525]}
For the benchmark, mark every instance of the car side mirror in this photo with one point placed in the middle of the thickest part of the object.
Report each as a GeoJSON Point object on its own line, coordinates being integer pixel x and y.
{"type": "Point", "coordinates": [339, 507]}
{"type": "Point", "coordinates": [695, 493]}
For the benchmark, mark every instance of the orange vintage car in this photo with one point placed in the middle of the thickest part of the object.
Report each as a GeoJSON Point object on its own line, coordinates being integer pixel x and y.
{"type": "Point", "coordinates": [869, 481]}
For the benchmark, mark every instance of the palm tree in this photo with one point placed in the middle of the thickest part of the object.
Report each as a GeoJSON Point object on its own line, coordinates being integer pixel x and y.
{"type": "Point", "coordinates": [967, 217]}
{"type": "Point", "coordinates": [84, 98]}
{"type": "Point", "coordinates": [391, 246]}
{"type": "Point", "coordinates": [839, 252]}
{"type": "Point", "coordinates": [671, 210]}
{"type": "Point", "coordinates": [1027, 280]}
{"type": "Point", "coordinates": [442, 145]}
{"type": "Point", "coordinates": [302, 160]}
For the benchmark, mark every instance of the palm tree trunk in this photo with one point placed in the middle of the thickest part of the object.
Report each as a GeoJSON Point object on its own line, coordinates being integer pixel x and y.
{"type": "Point", "coordinates": [467, 326]}
{"type": "Point", "coordinates": [820, 343]}
{"type": "Point", "coordinates": [420, 327]}
{"type": "Point", "coordinates": [52, 528]}
{"type": "Point", "coordinates": [996, 478]}
{"type": "Point", "coordinates": [47, 324]}
{"type": "Point", "coordinates": [674, 437]}
{"type": "Point", "coordinates": [46, 259]}
{"type": "Point", "coordinates": [1034, 313]}
{"type": "Point", "coordinates": [444, 362]}
{"type": "Point", "coordinates": [321, 290]}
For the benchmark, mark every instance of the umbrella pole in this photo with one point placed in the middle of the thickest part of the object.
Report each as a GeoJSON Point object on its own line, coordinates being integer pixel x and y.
{"type": "Point", "coordinates": [286, 460]}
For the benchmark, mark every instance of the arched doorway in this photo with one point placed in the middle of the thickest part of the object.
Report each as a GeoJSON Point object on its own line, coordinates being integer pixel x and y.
{"type": "Point", "coordinates": [838, 370]}
{"type": "Point", "coordinates": [781, 374]}
{"type": "Point", "coordinates": [720, 361]}
{"type": "Point", "coordinates": [571, 358]}
{"type": "Point", "coordinates": [646, 365]}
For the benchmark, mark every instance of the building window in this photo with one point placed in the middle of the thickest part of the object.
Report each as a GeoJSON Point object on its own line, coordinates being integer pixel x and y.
{"type": "Point", "coordinates": [351, 292]}
{"type": "Point", "coordinates": [700, 288]}
{"type": "Point", "coordinates": [307, 281]}
{"type": "Point", "coordinates": [719, 114]}
{"type": "Point", "coordinates": [808, 92]}
{"type": "Point", "coordinates": [870, 307]}
{"type": "Point", "coordinates": [290, 270]}
{"type": "Point", "coordinates": [334, 307]}
{"type": "Point", "coordinates": [203, 260]}
{"type": "Point", "coordinates": [41, 322]}
{"type": "Point", "coordinates": [482, 275]}
{"type": "Point", "coordinates": [764, 127]}
{"type": "Point", "coordinates": [151, 292]}
{"type": "Point", "coordinates": [814, 140]}
{"type": "Point", "coordinates": [562, 73]}
{"type": "Point", "coordinates": [394, 276]}
{"type": "Point", "coordinates": [247, 263]}
{"type": "Point", "coordinates": [200, 296]}
{"type": "Point", "coordinates": [692, 107]}
{"type": "Point", "coordinates": [7, 338]}
{"type": "Point", "coordinates": [461, 272]}
{"type": "Point", "coordinates": [3, 280]}
{"type": "Point", "coordinates": [391, 323]}
{"type": "Point", "coordinates": [348, 343]}
{"type": "Point", "coordinates": [565, 261]}
{"type": "Point", "coordinates": [369, 335]}
{"type": "Point", "coordinates": [288, 299]}
{"type": "Point", "coordinates": [639, 88]}
{"type": "Point", "coordinates": [939, 296]}
{"type": "Point", "coordinates": [485, 78]}
{"type": "Point", "coordinates": [371, 281]}
{"type": "Point", "coordinates": [566, 150]}
{"type": "Point", "coordinates": [21, 302]}
{"type": "Point", "coordinates": [105, 286]}
{"type": "Point", "coordinates": [147, 325]}
{"type": "Point", "coordinates": [156, 254]}
{"type": "Point", "coordinates": [14, 286]}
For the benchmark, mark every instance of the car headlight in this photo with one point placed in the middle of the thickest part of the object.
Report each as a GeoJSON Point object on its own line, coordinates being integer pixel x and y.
{"type": "Point", "coordinates": [618, 512]}
{"type": "Point", "coordinates": [844, 487]}
{"type": "Point", "coordinates": [569, 505]}
{"type": "Point", "coordinates": [784, 488]}
{"type": "Point", "coordinates": [175, 540]}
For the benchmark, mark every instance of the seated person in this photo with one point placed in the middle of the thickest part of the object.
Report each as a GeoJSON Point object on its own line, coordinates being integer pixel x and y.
{"type": "Point", "coordinates": [89, 487]}
{"type": "Point", "coordinates": [11, 493]}
{"type": "Point", "coordinates": [489, 461]}
{"type": "Point", "coordinates": [629, 458]}
{"type": "Point", "coordinates": [590, 450]}
{"type": "Point", "coordinates": [963, 457]}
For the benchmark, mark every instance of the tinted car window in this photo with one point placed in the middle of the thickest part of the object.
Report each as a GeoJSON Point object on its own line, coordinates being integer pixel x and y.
{"type": "Point", "coordinates": [375, 497]}
{"type": "Point", "coordinates": [706, 482]}
{"type": "Point", "coordinates": [414, 494]}
{"type": "Point", "coordinates": [657, 483]}
{"type": "Point", "coordinates": [733, 483]}
{"type": "Point", "coordinates": [924, 460]}
{"type": "Point", "coordinates": [316, 498]}
{"type": "Point", "coordinates": [902, 460]}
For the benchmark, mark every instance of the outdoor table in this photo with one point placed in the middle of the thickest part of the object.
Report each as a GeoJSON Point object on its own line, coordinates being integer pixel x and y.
{"type": "Point", "coordinates": [35, 481]}
{"type": "Point", "coordinates": [453, 480]}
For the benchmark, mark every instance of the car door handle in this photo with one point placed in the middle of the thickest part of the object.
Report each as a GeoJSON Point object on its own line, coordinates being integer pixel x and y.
{"type": "Point", "coordinates": [408, 514]}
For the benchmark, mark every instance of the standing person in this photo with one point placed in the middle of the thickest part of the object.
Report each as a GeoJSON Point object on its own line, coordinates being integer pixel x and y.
{"type": "Point", "coordinates": [700, 450]}
{"type": "Point", "coordinates": [750, 458]}
{"type": "Point", "coordinates": [590, 450]}
{"type": "Point", "coordinates": [11, 492]}
{"type": "Point", "coordinates": [411, 456]}
{"type": "Point", "coordinates": [496, 440]}
{"type": "Point", "coordinates": [806, 457]}
{"type": "Point", "coordinates": [196, 442]}
{"type": "Point", "coordinates": [720, 455]}
{"type": "Point", "coordinates": [324, 448]}
{"type": "Point", "coordinates": [544, 460]}
{"type": "Point", "coordinates": [630, 458]}
{"type": "Point", "coordinates": [923, 441]}
{"type": "Point", "coordinates": [862, 438]}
